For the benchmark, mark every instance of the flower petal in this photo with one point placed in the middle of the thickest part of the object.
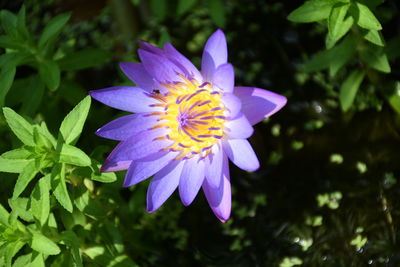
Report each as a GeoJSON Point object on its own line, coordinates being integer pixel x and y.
{"type": "Point", "coordinates": [220, 198]}
{"type": "Point", "coordinates": [258, 104]}
{"type": "Point", "coordinates": [224, 78]}
{"type": "Point", "coordinates": [116, 166]}
{"type": "Point", "coordinates": [142, 169]}
{"type": "Point", "coordinates": [151, 48]}
{"type": "Point", "coordinates": [160, 68]}
{"type": "Point", "coordinates": [214, 166]}
{"type": "Point", "coordinates": [136, 147]}
{"type": "Point", "coordinates": [241, 154]}
{"type": "Point", "coordinates": [132, 99]}
{"type": "Point", "coordinates": [215, 53]}
{"type": "Point", "coordinates": [182, 62]}
{"type": "Point", "coordinates": [232, 103]}
{"type": "Point", "coordinates": [163, 185]}
{"type": "Point", "coordinates": [239, 128]}
{"type": "Point", "coordinates": [192, 178]}
{"type": "Point", "coordinates": [138, 74]}
{"type": "Point", "coordinates": [124, 127]}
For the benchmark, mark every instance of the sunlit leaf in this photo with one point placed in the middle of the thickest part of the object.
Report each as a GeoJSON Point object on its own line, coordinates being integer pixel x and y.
{"type": "Point", "coordinates": [337, 25]}
{"type": "Point", "coordinates": [40, 199]}
{"type": "Point", "coordinates": [27, 174]}
{"type": "Point", "coordinates": [313, 10]}
{"type": "Point", "coordinates": [365, 18]}
{"type": "Point", "coordinates": [375, 37]}
{"type": "Point", "coordinates": [43, 244]}
{"type": "Point", "coordinates": [20, 127]}
{"type": "Point", "coordinates": [73, 155]}
{"type": "Point", "coordinates": [59, 187]}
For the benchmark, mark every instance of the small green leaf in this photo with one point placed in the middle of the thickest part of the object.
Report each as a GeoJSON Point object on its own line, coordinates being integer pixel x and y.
{"type": "Point", "coordinates": [50, 73]}
{"type": "Point", "coordinates": [41, 139]}
{"type": "Point", "coordinates": [349, 89]}
{"type": "Point", "coordinates": [20, 206]}
{"type": "Point", "coordinates": [375, 37]}
{"type": "Point", "coordinates": [27, 174]}
{"type": "Point", "coordinates": [73, 155]}
{"type": "Point", "coordinates": [337, 25]}
{"type": "Point", "coordinates": [366, 19]}
{"type": "Point", "coordinates": [310, 11]}
{"type": "Point", "coordinates": [342, 54]}
{"type": "Point", "coordinates": [72, 125]}
{"type": "Point", "coordinates": [7, 75]}
{"type": "Point", "coordinates": [104, 177]}
{"type": "Point", "coordinates": [44, 245]}
{"type": "Point", "coordinates": [20, 127]}
{"type": "Point", "coordinates": [21, 25]}
{"type": "Point", "coordinates": [217, 12]}
{"type": "Point", "coordinates": [53, 28]}
{"type": "Point", "coordinates": [375, 57]}
{"type": "Point", "coordinates": [13, 165]}
{"type": "Point", "coordinates": [3, 216]}
{"type": "Point", "coordinates": [40, 199]}
{"type": "Point", "coordinates": [60, 188]}
{"type": "Point", "coordinates": [83, 59]}
{"type": "Point", "coordinates": [45, 131]}
{"type": "Point", "coordinates": [8, 22]}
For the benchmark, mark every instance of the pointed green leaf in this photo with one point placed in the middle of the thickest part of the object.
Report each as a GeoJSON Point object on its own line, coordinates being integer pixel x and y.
{"type": "Point", "coordinates": [59, 187]}
{"type": "Point", "coordinates": [7, 75]}
{"type": "Point", "coordinates": [21, 128]}
{"type": "Point", "coordinates": [337, 25]}
{"type": "Point", "coordinates": [366, 19]}
{"type": "Point", "coordinates": [73, 155]}
{"type": "Point", "coordinates": [375, 37]}
{"type": "Point", "coordinates": [27, 174]}
{"type": "Point", "coordinates": [8, 42]}
{"type": "Point", "coordinates": [342, 54]}
{"type": "Point", "coordinates": [20, 206]}
{"type": "Point", "coordinates": [3, 216]}
{"type": "Point", "coordinates": [50, 73]}
{"type": "Point", "coordinates": [72, 125]}
{"type": "Point", "coordinates": [19, 153]}
{"type": "Point", "coordinates": [44, 245]}
{"type": "Point", "coordinates": [8, 22]}
{"type": "Point", "coordinates": [83, 59]}
{"type": "Point", "coordinates": [41, 139]}
{"type": "Point", "coordinates": [349, 89]}
{"type": "Point", "coordinates": [40, 200]}
{"type": "Point", "coordinates": [13, 165]}
{"type": "Point", "coordinates": [104, 177]}
{"type": "Point", "coordinates": [45, 131]}
{"type": "Point", "coordinates": [53, 28]}
{"type": "Point", "coordinates": [21, 25]}
{"type": "Point", "coordinates": [375, 57]}
{"type": "Point", "coordinates": [311, 11]}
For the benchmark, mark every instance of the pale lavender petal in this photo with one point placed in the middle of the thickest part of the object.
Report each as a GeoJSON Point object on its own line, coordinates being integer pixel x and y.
{"type": "Point", "coordinates": [163, 185]}
{"type": "Point", "coordinates": [116, 166]}
{"type": "Point", "coordinates": [239, 128]}
{"type": "Point", "coordinates": [142, 169]}
{"type": "Point", "coordinates": [132, 99]}
{"type": "Point", "coordinates": [192, 178]}
{"type": "Point", "coordinates": [215, 53]}
{"type": "Point", "coordinates": [159, 67]}
{"type": "Point", "coordinates": [220, 198]}
{"type": "Point", "coordinates": [224, 78]}
{"type": "Point", "coordinates": [232, 103]}
{"type": "Point", "coordinates": [136, 147]}
{"type": "Point", "coordinates": [150, 48]}
{"type": "Point", "coordinates": [124, 127]}
{"type": "Point", "coordinates": [207, 67]}
{"type": "Point", "coordinates": [258, 104]}
{"type": "Point", "coordinates": [214, 166]}
{"type": "Point", "coordinates": [182, 62]}
{"type": "Point", "coordinates": [138, 74]}
{"type": "Point", "coordinates": [241, 154]}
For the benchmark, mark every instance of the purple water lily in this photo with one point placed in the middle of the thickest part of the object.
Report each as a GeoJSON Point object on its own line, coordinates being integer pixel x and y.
{"type": "Point", "coordinates": [186, 124]}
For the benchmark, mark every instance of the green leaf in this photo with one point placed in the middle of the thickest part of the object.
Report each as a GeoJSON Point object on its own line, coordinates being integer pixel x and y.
{"type": "Point", "coordinates": [45, 131]}
{"type": "Point", "coordinates": [27, 174]}
{"type": "Point", "coordinates": [13, 165]}
{"type": "Point", "coordinates": [72, 125]}
{"type": "Point", "coordinates": [3, 216]}
{"type": "Point", "coordinates": [375, 37]}
{"type": "Point", "coordinates": [40, 138]}
{"type": "Point", "coordinates": [8, 22]}
{"type": "Point", "coordinates": [60, 188]}
{"type": "Point", "coordinates": [311, 11]}
{"type": "Point", "coordinates": [375, 58]}
{"type": "Point", "coordinates": [53, 28]}
{"type": "Point", "coordinates": [40, 199]}
{"type": "Point", "coordinates": [394, 99]}
{"type": "Point", "coordinates": [217, 12]}
{"type": "Point", "coordinates": [342, 54]}
{"type": "Point", "coordinates": [44, 245]}
{"type": "Point", "coordinates": [20, 127]}
{"type": "Point", "coordinates": [19, 153]}
{"type": "Point", "coordinates": [9, 42]}
{"type": "Point", "coordinates": [184, 6]}
{"type": "Point", "coordinates": [104, 177]}
{"type": "Point", "coordinates": [73, 155]}
{"type": "Point", "coordinates": [349, 89]}
{"type": "Point", "coordinates": [50, 74]}
{"type": "Point", "coordinates": [20, 206]}
{"type": "Point", "coordinates": [11, 249]}
{"type": "Point", "coordinates": [337, 26]}
{"type": "Point", "coordinates": [366, 19]}
{"type": "Point", "coordinates": [86, 58]}
{"type": "Point", "coordinates": [73, 242]}
{"type": "Point", "coordinates": [21, 25]}
{"type": "Point", "coordinates": [7, 75]}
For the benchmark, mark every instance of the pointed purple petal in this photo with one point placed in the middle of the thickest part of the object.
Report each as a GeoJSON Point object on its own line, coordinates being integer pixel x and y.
{"type": "Point", "coordinates": [138, 74]}
{"type": "Point", "coordinates": [214, 166]}
{"type": "Point", "coordinates": [182, 62]}
{"type": "Point", "coordinates": [163, 185]}
{"type": "Point", "coordinates": [116, 166]}
{"type": "Point", "coordinates": [136, 147]}
{"type": "Point", "coordinates": [192, 178]}
{"type": "Point", "coordinates": [150, 48]}
{"type": "Point", "coordinates": [215, 53]}
{"type": "Point", "coordinates": [258, 104]}
{"type": "Point", "coordinates": [224, 78]}
{"type": "Point", "coordinates": [220, 198]}
{"type": "Point", "coordinates": [132, 99]}
{"type": "Point", "coordinates": [241, 154]}
{"type": "Point", "coordinates": [232, 103]}
{"type": "Point", "coordinates": [239, 128]}
{"type": "Point", "coordinates": [142, 169]}
{"type": "Point", "coordinates": [124, 127]}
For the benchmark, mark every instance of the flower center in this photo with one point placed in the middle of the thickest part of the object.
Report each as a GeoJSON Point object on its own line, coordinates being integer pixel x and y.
{"type": "Point", "coordinates": [194, 115]}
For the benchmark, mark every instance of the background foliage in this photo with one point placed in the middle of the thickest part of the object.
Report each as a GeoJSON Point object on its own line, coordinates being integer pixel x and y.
{"type": "Point", "coordinates": [326, 194]}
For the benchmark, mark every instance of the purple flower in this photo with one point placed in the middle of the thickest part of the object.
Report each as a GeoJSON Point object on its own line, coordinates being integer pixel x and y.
{"type": "Point", "coordinates": [186, 124]}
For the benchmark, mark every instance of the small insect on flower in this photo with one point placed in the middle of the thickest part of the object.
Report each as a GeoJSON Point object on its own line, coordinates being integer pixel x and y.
{"type": "Point", "coordinates": [186, 124]}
